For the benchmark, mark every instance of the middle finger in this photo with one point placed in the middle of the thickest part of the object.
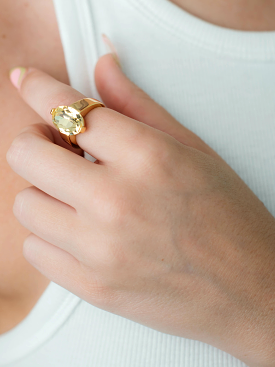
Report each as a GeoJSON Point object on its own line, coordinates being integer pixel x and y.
{"type": "Point", "coordinates": [58, 172]}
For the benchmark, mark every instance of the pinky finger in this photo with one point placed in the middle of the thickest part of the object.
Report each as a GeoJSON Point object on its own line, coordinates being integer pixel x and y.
{"type": "Point", "coordinates": [56, 264]}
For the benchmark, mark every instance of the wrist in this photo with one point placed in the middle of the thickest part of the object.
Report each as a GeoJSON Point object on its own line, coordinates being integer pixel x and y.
{"type": "Point", "coordinates": [255, 344]}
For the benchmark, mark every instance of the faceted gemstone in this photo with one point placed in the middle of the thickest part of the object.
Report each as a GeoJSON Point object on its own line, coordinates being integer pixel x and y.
{"type": "Point", "coordinates": [68, 120]}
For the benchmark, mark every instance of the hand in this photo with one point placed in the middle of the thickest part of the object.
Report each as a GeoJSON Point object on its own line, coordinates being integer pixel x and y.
{"type": "Point", "coordinates": [159, 230]}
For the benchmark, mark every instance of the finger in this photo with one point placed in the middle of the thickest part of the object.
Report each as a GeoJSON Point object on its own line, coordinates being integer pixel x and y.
{"type": "Point", "coordinates": [62, 268]}
{"type": "Point", "coordinates": [59, 141]}
{"type": "Point", "coordinates": [46, 217]}
{"type": "Point", "coordinates": [121, 94]}
{"type": "Point", "coordinates": [109, 137]}
{"type": "Point", "coordinates": [53, 262]}
{"type": "Point", "coordinates": [57, 171]}
{"type": "Point", "coordinates": [56, 138]}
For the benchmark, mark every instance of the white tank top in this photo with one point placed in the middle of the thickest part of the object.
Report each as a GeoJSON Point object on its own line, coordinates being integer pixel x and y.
{"type": "Point", "coordinates": [219, 83]}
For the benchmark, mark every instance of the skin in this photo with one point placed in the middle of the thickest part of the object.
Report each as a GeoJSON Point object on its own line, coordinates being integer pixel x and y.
{"type": "Point", "coordinates": [22, 284]}
{"type": "Point", "coordinates": [136, 233]}
{"type": "Point", "coordinates": [246, 15]}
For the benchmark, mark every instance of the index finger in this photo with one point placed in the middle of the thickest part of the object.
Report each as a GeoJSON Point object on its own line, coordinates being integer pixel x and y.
{"type": "Point", "coordinates": [110, 136]}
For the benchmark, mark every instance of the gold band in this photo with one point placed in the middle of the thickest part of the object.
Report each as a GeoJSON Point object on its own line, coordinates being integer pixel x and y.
{"type": "Point", "coordinates": [85, 105]}
{"type": "Point", "coordinates": [72, 112]}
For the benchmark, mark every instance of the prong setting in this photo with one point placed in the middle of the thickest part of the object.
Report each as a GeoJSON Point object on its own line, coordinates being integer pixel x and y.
{"type": "Point", "coordinates": [68, 120]}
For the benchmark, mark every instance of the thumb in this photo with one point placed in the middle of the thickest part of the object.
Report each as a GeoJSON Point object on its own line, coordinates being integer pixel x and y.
{"type": "Point", "coordinates": [122, 95]}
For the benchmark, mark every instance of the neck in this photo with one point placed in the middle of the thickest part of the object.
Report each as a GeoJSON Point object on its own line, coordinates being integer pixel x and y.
{"type": "Point", "coordinates": [246, 15]}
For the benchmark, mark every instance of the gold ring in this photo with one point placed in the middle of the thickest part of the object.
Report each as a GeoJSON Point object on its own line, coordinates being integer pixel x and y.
{"type": "Point", "coordinates": [69, 120]}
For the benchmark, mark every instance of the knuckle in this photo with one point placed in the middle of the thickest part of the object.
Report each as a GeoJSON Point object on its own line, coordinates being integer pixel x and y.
{"type": "Point", "coordinates": [112, 263]}
{"type": "Point", "coordinates": [20, 199]}
{"type": "Point", "coordinates": [153, 152]}
{"type": "Point", "coordinates": [41, 129]}
{"type": "Point", "coordinates": [112, 212]}
{"type": "Point", "coordinates": [19, 151]}
{"type": "Point", "coordinates": [111, 255]}
{"type": "Point", "coordinates": [99, 294]}
{"type": "Point", "coordinates": [112, 206]}
{"type": "Point", "coordinates": [29, 244]}
{"type": "Point", "coordinates": [18, 204]}
{"type": "Point", "coordinates": [92, 285]}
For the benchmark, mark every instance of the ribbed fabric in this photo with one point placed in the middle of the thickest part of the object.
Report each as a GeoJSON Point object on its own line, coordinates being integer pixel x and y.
{"type": "Point", "coordinates": [219, 83]}
{"type": "Point", "coordinates": [51, 311]}
{"type": "Point", "coordinates": [96, 338]}
{"type": "Point", "coordinates": [247, 45]}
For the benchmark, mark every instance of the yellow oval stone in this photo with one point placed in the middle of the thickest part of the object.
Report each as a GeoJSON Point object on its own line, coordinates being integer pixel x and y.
{"type": "Point", "coordinates": [68, 120]}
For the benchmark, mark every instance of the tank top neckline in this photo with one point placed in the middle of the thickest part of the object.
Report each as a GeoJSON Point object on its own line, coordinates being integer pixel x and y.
{"type": "Point", "coordinates": [51, 310]}
{"type": "Point", "coordinates": [247, 45]}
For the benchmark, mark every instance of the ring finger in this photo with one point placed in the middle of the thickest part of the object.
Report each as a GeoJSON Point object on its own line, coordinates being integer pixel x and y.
{"type": "Point", "coordinates": [46, 217]}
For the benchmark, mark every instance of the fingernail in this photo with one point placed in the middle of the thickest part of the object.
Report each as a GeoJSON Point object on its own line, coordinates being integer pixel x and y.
{"type": "Point", "coordinates": [111, 48]}
{"type": "Point", "coordinates": [16, 75]}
